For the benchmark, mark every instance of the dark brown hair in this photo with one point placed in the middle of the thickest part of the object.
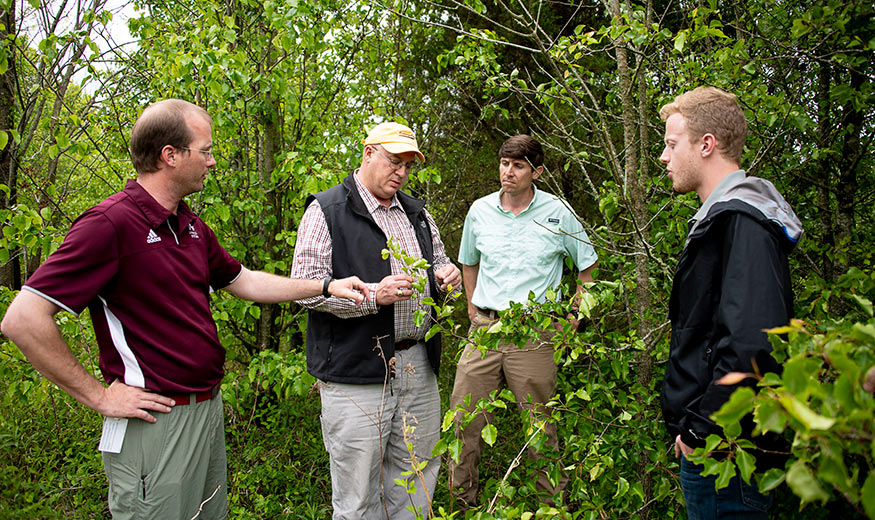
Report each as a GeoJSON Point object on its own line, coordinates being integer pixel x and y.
{"type": "Point", "coordinates": [523, 146]}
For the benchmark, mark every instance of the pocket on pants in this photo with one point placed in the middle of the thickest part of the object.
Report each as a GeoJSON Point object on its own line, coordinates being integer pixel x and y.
{"type": "Point", "coordinates": [751, 496]}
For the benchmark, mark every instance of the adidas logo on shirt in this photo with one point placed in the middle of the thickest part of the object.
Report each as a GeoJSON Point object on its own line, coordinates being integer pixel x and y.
{"type": "Point", "coordinates": [152, 237]}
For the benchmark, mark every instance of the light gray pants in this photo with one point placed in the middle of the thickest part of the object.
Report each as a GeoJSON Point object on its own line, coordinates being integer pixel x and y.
{"type": "Point", "coordinates": [366, 429]}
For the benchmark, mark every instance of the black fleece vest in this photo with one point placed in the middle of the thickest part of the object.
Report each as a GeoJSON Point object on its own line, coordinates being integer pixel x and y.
{"type": "Point", "coordinates": [344, 350]}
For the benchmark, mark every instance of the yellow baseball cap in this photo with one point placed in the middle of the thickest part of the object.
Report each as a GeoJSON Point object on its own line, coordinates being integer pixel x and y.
{"type": "Point", "coordinates": [395, 138]}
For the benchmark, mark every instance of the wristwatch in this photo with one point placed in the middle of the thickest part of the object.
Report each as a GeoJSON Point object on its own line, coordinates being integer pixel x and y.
{"type": "Point", "coordinates": [325, 283]}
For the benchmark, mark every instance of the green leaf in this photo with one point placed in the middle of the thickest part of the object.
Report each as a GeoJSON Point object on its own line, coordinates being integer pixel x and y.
{"type": "Point", "coordinates": [799, 372]}
{"type": "Point", "coordinates": [622, 487]}
{"type": "Point", "coordinates": [836, 352]}
{"type": "Point", "coordinates": [449, 418]}
{"type": "Point", "coordinates": [455, 449]}
{"type": "Point", "coordinates": [740, 403]}
{"type": "Point", "coordinates": [489, 434]}
{"type": "Point", "coordinates": [868, 495]}
{"type": "Point", "coordinates": [726, 470]}
{"type": "Point", "coordinates": [866, 332]}
{"type": "Point", "coordinates": [223, 211]}
{"type": "Point", "coordinates": [771, 479]}
{"type": "Point", "coordinates": [594, 472]}
{"type": "Point", "coordinates": [770, 416]}
{"type": "Point", "coordinates": [680, 40]}
{"type": "Point", "coordinates": [732, 430]}
{"type": "Point", "coordinates": [833, 471]}
{"type": "Point", "coordinates": [865, 303]}
{"type": "Point", "coordinates": [432, 331]}
{"type": "Point", "coordinates": [746, 464]}
{"type": "Point", "coordinates": [4, 137]}
{"type": "Point", "coordinates": [440, 448]}
{"type": "Point", "coordinates": [711, 442]}
{"type": "Point", "coordinates": [588, 302]}
{"type": "Point", "coordinates": [804, 484]}
{"type": "Point", "coordinates": [802, 413]}
{"type": "Point", "coordinates": [843, 391]}
{"type": "Point", "coordinates": [62, 139]}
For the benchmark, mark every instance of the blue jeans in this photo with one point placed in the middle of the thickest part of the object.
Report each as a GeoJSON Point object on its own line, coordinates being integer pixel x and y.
{"type": "Point", "coordinates": [737, 501]}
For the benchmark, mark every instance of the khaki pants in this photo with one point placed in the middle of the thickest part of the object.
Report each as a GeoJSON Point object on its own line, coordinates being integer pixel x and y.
{"type": "Point", "coordinates": [529, 372]}
{"type": "Point", "coordinates": [168, 468]}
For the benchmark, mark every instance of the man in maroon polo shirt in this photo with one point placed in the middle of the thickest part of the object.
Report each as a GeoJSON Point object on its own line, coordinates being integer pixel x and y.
{"type": "Point", "coordinates": [145, 265]}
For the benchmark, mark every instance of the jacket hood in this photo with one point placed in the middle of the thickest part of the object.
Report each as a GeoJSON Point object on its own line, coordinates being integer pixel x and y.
{"type": "Point", "coordinates": [764, 202]}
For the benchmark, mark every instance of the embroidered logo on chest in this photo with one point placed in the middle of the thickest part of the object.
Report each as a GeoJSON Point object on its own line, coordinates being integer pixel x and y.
{"type": "Point", "coordinates": [152, 237]}
{"type": "Point", "coordinates": [553, 220]}
{"type": "Point", "coordinates": [192, 232]}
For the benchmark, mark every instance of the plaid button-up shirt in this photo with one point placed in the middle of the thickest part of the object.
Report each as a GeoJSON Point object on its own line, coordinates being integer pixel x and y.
{"type": "Point", "coordinates": [313, 260]}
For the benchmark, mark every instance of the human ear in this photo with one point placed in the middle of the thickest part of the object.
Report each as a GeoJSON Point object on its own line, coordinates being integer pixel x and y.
{"type": "Point", "coordinates": [168, 155]}
{"type": "Point", "coordinates": [709, 144]}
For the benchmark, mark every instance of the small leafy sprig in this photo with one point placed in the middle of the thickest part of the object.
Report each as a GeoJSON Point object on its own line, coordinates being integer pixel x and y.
{"type": "Point", "coordinates": [415, 266]}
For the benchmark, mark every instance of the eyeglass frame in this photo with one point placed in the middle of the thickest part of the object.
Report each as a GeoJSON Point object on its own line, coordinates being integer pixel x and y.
{"type": "Point", "coordinates": [208, 154]}
{"type": "Point", "coordinates": [409, 166]}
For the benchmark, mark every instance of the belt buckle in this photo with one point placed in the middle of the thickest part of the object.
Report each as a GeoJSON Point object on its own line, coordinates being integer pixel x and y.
{"type": "Point", "coordinates": [489, 313]}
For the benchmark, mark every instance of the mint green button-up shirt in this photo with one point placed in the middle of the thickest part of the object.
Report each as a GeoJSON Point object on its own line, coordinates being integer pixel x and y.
{"type": "Point", "coordinates": [521, 253]}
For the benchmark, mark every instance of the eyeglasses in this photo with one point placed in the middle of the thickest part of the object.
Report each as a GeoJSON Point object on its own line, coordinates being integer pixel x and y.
{"type": "Point", "coordinates": [208, 154]}
{"type": "Point", "coordinates": [395, 163]}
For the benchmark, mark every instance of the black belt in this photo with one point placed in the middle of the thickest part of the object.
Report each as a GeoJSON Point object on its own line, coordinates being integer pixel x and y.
{"type": "Point", "coordinates": [199, 397]}
{"type": "Point", "coordinates": [488, 312]}
{"type": "Point", "coordinates": [405, 344]}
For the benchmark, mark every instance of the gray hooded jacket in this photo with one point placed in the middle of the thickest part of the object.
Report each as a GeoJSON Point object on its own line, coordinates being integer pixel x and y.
{"type": "Point", "coordinates": [732, 281]}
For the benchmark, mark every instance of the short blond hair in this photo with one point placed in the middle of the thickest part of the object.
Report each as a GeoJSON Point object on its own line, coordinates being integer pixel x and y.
{"type": "Point", "coordinates": [710, 110]}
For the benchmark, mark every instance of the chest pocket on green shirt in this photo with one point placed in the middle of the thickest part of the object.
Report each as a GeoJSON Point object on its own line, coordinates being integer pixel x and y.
{"type": "Point", "coordinates": [520, 246]}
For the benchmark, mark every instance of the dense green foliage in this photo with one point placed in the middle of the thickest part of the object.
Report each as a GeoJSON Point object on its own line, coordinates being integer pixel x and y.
{"type": "Point", "coordinates": [291, 86]}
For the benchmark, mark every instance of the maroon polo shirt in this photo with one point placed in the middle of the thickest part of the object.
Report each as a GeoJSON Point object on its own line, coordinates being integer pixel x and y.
{"type": "Point", "coordinates": [146, 276]}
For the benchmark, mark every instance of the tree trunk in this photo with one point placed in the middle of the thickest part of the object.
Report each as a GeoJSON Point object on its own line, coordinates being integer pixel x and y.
{"type": "Point", "coordinates": [271, 143]}
{"type": "Point", "coordinates": [10, 271]}
{"type": "Point", "coordinates": [633, 123]}
{"type": "Point", "coordinates": [848, 164]}
{"type": "Point", "coordinates": [849, 160]}
{"type": "Point", "coordinates": [824, 173]}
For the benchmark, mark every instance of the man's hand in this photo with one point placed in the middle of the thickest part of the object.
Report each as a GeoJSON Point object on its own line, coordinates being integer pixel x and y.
{"type": "Point", "coordinates": [448, 275]}
{"type": "Point", "coordinates": [121, 400]}
{"type": "Point", "coordinates": [394, 288]}
{"type": "Point", "coordinates": [351, 288]}
{"type": "Point", "coordinates": [680, 447]}
{"type": "Point", "coordinates": [572, 319]}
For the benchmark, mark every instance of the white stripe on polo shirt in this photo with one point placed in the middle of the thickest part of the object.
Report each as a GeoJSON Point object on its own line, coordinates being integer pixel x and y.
{"type": "Point", "coordinates": [133, 372]}
{"type": "Point", "coordinates": [49, 298]}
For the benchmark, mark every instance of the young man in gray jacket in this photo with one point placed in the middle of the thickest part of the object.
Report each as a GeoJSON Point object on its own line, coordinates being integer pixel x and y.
{"type": "Point", "coordinates": [732, 281]}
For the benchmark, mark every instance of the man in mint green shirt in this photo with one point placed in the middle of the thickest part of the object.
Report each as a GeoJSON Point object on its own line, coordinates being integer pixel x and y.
{"type": "Point", "coordinates": [514, 242]}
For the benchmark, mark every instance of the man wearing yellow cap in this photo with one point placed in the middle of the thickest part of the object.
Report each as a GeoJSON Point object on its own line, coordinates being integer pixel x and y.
{"type": "Point", "coordinates": [377, 374]}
